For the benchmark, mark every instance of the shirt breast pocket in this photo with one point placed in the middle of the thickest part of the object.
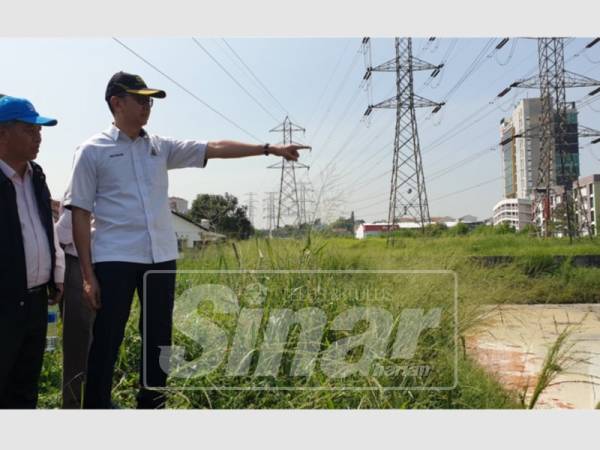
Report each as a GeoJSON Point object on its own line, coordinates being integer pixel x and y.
{"type": "Point", "coordinates": [117, 172]}
{"type": "Point", "coordinates": [156, 170]}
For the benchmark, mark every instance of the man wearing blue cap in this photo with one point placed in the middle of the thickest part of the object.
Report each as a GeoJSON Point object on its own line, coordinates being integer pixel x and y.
{"type": "Point", "coordinates": [32, 263]}
{"type": "Point", "coordinates": [121, 176]}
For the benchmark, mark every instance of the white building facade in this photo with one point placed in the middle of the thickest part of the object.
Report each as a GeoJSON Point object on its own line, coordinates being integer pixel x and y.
{"type": "Point", "coordinates": [588, 201]}
{"type": "Point", "coordinates": [179, 205]}
{"type": "Point", "coordinates": [515, 212]}
{"type": "Point", "coordinates": [190, 234]}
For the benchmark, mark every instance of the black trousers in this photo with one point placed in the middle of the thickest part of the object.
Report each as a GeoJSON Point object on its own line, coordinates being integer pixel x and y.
{"type": "Point", "coordinates": [118, 281]}
{"type": "Point", "coordinates": [23, 324]}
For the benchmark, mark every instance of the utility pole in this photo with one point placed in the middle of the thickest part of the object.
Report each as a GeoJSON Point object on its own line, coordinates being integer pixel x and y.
{"type": "Point", "coordinates": [407, 185]}
{"type": "Point", "coordinates": [288, 204]}
{"type": "Point", "coordinates": [559, 144]}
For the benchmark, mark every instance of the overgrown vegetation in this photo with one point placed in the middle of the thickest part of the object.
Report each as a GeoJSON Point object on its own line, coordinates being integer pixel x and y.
{"type": "Point", "coordinates": [534, 276]}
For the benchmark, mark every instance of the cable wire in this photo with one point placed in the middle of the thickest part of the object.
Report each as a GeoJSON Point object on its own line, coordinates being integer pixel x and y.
{"type": "Point", "coordinates": [186, 90]}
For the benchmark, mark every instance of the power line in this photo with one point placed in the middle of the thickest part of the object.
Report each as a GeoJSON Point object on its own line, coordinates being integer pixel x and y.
{"type": "Point", "coordinates": [474, 66]}
{"type": "Point", "coordinates": [283, 108]}
{"type": "Point", "coordinates": [453, 132]}
{"type": "Point", "coordinates": [341, 118]}
{"type": "Point", "coordinates": [485, 106]}
{"type": "Point", "coordinates": [234, 79]}
{"type": "Point", "coordinates": [382, 132]}
{"type": "Point", "coordinates": [511, 53]}
{"type": "Point", "coordinates": [470, 188]}
{"type": "Point", "coordinates": [322, 96]}
{"type": "Point", "coordinates": [438, 174]}
{"type": "Point", "coordinates": [444, 61]}
{"type": "Point", "coordinates": [186, 90]}
{"type": "Point", "coordinates": [445, 171]}
{"type": "Point", "coordinates": [441, 142]}
{"type": "Point", "coordinates": [366, 171]}
{"type": "Point", "coordinates": [351, 136]}
{"type": "Point", "coordinates": [337, 93]}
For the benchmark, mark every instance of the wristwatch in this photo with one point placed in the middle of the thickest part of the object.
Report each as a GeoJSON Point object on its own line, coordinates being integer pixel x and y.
{"type": "Point", "coordinates": [266, 149]}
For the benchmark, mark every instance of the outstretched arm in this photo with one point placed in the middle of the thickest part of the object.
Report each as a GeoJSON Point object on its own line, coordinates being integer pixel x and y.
{"type": "Point", "coordinates": [232, 149]}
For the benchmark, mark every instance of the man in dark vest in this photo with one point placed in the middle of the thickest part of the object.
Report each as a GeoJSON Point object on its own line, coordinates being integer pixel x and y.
{"type": "Point", "coordinates": [31, 262]}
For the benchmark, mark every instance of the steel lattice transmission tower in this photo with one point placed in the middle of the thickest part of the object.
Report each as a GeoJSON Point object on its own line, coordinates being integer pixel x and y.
{"type": "Point", "coordinates": [559, 146]}
{"type": "Point", "coordinates": [250, 204]}
{"type": "Point", "coordinates": [289, 204]}
{"type": "Point", "coordinates": [269, 202]}
{"type": "Point", "coordinates": [408, 194]}
{"type": "Point", "coordinates": [305, 197]}
{"type": "Point", "coordinates": [551, 60]}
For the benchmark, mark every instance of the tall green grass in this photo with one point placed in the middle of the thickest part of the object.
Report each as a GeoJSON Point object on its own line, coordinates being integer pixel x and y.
{"type": "Point", "coordinates": [531, 278]}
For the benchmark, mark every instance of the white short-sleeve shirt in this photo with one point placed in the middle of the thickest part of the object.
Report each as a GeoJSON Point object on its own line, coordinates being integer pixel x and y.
{"type": "Point", "coordinates": [124, 182]}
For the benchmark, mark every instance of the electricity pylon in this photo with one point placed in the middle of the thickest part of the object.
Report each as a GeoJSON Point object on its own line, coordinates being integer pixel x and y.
{"type": "Point", "coordinates": [250, 205]}
{"type": "Point", "coordinates": [408, 193]}
{"type": "Point", "coordinates": [270, 210]}
{"type": "Point", "coordinates": [288, 204]}
{"type": "Point", "coordinates": [559, 145]}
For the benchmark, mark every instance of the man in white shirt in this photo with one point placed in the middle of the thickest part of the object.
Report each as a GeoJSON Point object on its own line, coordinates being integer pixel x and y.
{"type": "Point", "coordinates": [121, 176]}
{"type": "Point", "coordinates": [32, 262]}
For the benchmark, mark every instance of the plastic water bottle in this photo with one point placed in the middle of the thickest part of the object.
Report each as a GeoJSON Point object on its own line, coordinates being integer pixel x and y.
{"type": "Point", "coordinates": [52, 334]}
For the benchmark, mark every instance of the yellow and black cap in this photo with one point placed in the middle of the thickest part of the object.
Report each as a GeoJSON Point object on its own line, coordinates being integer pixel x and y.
{"type": "Point", "coordinates": [127, 83]}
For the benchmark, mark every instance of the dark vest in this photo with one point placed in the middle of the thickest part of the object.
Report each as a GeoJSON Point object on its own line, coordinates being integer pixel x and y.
{"type": "Point", "coordinates": [13, 273]}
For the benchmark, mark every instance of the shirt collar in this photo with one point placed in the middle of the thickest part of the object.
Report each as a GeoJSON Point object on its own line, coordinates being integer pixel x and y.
{"type": "Point", "coordinates": [114, 133]}
{"type": "Point", "coordinates": [11, 173]}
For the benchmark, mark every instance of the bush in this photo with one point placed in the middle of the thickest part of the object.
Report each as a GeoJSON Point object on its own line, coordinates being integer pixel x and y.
{"type": "Point", "coordinates": [504, 228]}
{"type": "Point", "coordinates": [435, 229]}
{"type": "Point", "coordinates": [528, 230]}
{"type": "Point", "coordinates": [538, 265]}
{"type": "Point", "coordinates": [460, 229]}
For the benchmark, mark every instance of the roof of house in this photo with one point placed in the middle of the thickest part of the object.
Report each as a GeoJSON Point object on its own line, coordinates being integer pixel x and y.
{"type": "Point", "coordinates": [205, 231]}
{"type": "Point", "coordinates": [376, 226]}
{"type": "Point", "coordinates": [187, 219]}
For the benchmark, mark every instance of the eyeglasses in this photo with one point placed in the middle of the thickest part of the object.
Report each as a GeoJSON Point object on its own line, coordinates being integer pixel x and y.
{"type": "Point", "coordinates": [141, 100]}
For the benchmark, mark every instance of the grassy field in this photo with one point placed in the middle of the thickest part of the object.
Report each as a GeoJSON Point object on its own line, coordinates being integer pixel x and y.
{"type": "Point", "coordinates": [533, 277]}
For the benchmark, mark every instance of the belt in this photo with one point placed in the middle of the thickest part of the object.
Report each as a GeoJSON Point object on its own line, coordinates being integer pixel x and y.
{"type": "Point", "coordinates": [37, 289]}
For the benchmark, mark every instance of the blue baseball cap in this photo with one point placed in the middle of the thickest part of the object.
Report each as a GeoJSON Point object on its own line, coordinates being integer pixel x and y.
{"type": "Point", "coordinates": [20, 109]}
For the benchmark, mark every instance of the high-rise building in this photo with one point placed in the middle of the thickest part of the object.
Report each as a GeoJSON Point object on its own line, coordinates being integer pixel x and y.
{"type": "Point", "coordinates": [521, 155]}
{"type": "Point", "coordinates": [508, 151]}
{"type": "Point", "coordinates": [570, 151]}
{"type": "Point", "coordinates": [526, 119]}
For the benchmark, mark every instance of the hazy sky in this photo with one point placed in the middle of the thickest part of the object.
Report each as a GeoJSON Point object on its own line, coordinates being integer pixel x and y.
{"type": "Point", "coordinates": [316, 82]}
